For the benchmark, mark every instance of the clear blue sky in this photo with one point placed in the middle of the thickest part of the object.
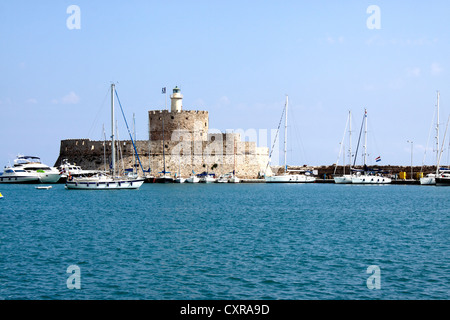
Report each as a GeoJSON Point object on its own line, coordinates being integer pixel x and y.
{"type": "Point", "coordinates": [236, 59]}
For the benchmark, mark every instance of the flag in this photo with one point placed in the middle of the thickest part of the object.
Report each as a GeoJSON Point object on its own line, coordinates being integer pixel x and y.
{"type": "Point", "coordinates": [378, 159]}
{"type": "Point", "coordinates": [163, 90]}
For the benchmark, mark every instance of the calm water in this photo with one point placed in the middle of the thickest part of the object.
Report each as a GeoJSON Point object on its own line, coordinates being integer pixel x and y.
{"type": "Point", "coordinates": [221, 241]}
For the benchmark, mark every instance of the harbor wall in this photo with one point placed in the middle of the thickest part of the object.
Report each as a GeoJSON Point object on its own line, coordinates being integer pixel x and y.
{"type": "Point", "coordinates": [219, 153]}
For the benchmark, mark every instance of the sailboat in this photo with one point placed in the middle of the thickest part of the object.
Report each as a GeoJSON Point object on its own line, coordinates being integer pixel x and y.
{"type": "Point", "coordinates": [103, 181]}
{"type": "Point", "coordinates": [178, 177]}
{"type": "Point", "coordinates": [443, 178]}
{"type": "Point", "coordinates": [165, 177]}
{"type": "Point", "coordinates": [366, 176]}
{"type": "Point", "coordinates": [430, 179]}
{"type": "Point", "coordinates": [345, 178]}
{"type": "Point", "coordinates": [193, 178]}
{"type": "Point", "coordinates": [286, 177]}
{"type": "Point", "coordinates": [233, 178]}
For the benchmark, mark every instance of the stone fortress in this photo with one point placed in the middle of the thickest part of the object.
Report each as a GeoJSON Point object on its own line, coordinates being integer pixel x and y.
{"type": "Point", "coordinates": [179, 140]}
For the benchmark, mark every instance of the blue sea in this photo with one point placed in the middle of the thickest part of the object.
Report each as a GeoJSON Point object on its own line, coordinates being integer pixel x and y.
{"type": "Point", "coordinates": [226, 241]}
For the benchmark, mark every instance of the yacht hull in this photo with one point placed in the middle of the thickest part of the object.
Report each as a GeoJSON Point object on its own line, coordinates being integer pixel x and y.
{"type": "Point", "coordinates": [345, 179]}
{"type": "Point", "coordinates": [19, 179]}
{"type": "Point", "coordinates": [427, 181]}
{"type": "Point", "coordinates": [193, 180]}
{"type": "Point", "coordinates": [292, 178]}
{"type": "Point", "coordinates": [365, 179]}
{"type": "Point", "coordinates": [105, 185]}
{"type": "Point", "coordinates": [443, 181]}
{"type": "Point", "coordinates": [164, 180]}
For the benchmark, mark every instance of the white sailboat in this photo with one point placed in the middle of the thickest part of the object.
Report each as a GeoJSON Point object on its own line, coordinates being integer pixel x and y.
{"type": "Point", "coordinates": [367, 176]}
{"type": "Point", "coordinates": [233, 178]}
{"type": "Point", "coordinates": [165, 175]}
{"type": "Point", "coordinates": [285, 177]}
{"type": "Point", "coordinates": [193, 179]}
{"type": "Point", "coordinates": [443, 178]}
{"type": "Point", "coordinates": [106, 181]}
{"type": "Point", "coordinates": [178, 177]}
{"type": "Point", "coordinates": [430, 179]}
{"type": "Point", "coordinates": [345, 178]}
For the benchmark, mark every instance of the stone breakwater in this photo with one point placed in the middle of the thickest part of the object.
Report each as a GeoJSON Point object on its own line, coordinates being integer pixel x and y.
{"type": "Point", "coordinates": [327, 172]}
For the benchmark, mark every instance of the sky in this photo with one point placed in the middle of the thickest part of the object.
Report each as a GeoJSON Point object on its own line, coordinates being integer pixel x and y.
{"type": "Point", "coordinates": [236, 59]}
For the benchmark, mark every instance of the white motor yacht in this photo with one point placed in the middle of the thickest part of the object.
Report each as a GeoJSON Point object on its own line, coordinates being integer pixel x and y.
{"type": "Point", "coordinates": [29, 169]}
{"type": "Point", "coordinates": [68, 169]}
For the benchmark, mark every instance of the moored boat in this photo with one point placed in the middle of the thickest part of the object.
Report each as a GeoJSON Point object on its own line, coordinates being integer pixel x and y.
{"type": "Point", "coordinates": [286, 177]}
{"type": "Point", "coordinates": [103, 181]}
{"type": "Point", "coordinates": [29, 169]}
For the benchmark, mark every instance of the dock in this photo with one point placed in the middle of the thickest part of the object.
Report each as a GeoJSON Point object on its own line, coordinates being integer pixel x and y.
{"type": "Point", "coordinates": [253, 181]}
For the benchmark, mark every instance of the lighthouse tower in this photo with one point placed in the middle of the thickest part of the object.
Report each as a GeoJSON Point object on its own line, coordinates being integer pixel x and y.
{"type": "Point", "coordinates": [176, 100]}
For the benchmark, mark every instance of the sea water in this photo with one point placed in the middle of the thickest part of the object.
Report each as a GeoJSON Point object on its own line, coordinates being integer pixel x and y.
{"type": "Point", "coordinates": [225, 241]}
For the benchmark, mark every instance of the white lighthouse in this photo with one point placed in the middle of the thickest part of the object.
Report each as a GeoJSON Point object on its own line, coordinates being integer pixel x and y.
{"type": "Point", "coordinates": [176, 100]}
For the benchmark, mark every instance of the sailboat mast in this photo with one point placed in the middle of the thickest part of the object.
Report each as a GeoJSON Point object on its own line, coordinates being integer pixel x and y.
{"type": "Point", "coordinates": [164, 155]}
{"type": "Point", "coordinates": [365, 136]}
{"type": "Point", "coordinates": [234, 171]}
{"type": "Point", "coordinates": [350, 138]}
{"type": "Point", "coordinates": [437, 135]}
{"type": "Point", "coordinates": [104, 147]}
{"type": "Point", "coordinates": [113, 149]}
{"type": "Point", "coordinates": [149, 147]}
{"type": "Point", "coordinates": [134, 137]}
{"type": "Point", "coordinates": [285, 136]}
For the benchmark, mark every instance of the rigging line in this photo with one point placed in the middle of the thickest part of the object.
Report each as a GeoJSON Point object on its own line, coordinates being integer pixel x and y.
{"type": "Point", "coordinates": [443, 142]}
{"type": "Point", "coordinates": [359, 139]}
{"type": "Point", "coordinates": [97, 116]}
{"type": "Point", "coordinates": [342, 142]}
{"type": "Point", "coordinates": [129, 132]}
{"type": "Point", "coordinates": [276, 136]}
{"type": "Point", "coordinates": [373, 138]}
{"type": "Point", "coordinates": [119, 153]}
{"type": "Point", "coordinates": [298, 137]}
{"type": "Point", "coordinates": [428, 141]}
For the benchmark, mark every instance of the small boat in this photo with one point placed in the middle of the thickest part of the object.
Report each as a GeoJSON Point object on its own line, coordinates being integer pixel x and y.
{"type": "Point", "coordinates": [165, 178]}
{"type": "Point", "coordinates": [207, 178]}
{"type": "Point", "coordinates": [234, 179]}
{"type": "Point", "coordinates": [193, 179]}
{"type": "Point", "coordinates": [429, 179]}
{"type": "Point", "coordinates": [44, 188]}
{"type": "Point", "coordinates": [222, 179]}
{"type": "Point", "coordinates": [1, 196]}
{"type": "Point", "coordinates": [179, 179]}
